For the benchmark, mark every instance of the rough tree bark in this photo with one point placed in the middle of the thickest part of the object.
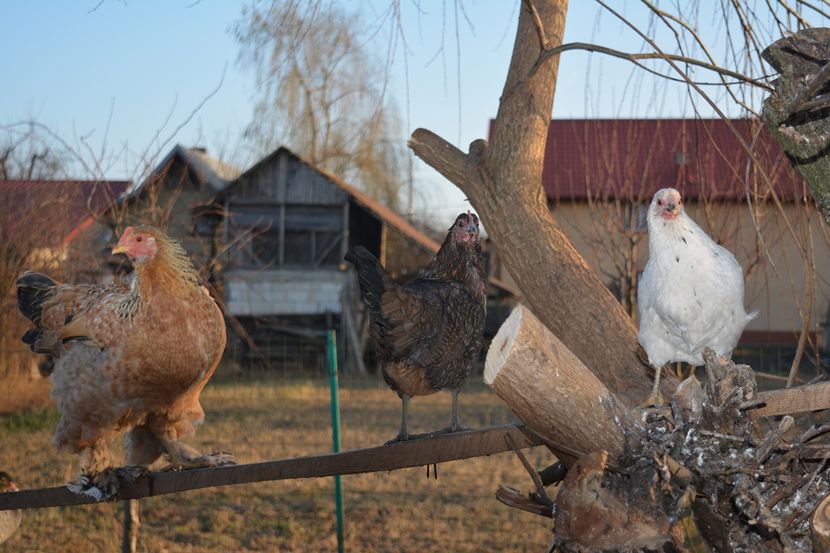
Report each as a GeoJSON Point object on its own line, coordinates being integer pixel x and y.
{"type": "Point", "coordinates": [503, 182]}
{"type": "Point", "coordinates": [798, 111]}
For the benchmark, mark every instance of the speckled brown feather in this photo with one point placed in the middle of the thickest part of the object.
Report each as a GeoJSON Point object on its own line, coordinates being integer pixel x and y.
{"type": "Point", "coordinates": [132, 354]}
{"type": "Point", "coordinates": [428, 333]}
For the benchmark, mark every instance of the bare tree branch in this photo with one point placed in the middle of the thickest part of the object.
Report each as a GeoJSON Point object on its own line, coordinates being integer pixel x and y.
{"type": "Point", "coordinates": [636, 58]}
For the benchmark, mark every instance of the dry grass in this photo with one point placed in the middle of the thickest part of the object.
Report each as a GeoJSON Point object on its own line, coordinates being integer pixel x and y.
{"type": "Point", "coordinates": [398, 511]}
{"type": "Point", "coordinates": [21, 393]}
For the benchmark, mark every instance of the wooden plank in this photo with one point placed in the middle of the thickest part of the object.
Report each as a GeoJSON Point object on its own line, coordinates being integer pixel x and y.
{"type": "Point", "coordinates": [350, 325]}
{"type": "Point", "coordinates": [789, 401]}
{"type": "Point", "coordinates": [414, 453]}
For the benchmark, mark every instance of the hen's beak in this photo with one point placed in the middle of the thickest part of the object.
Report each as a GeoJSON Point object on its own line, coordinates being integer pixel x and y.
{"type": "Point", "coordinates": [472, 229]}
{"type": "Point", "coordinates": [119, 249]}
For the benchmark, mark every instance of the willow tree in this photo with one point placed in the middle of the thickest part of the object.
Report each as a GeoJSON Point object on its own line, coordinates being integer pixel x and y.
{"type": "Point", "coordinates": [321, 93]}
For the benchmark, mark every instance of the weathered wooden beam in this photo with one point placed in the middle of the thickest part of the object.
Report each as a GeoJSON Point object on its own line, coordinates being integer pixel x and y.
{"type": "Point", "coordinates": [790, 401]}
{"type": "Point", "coordinates": [414, 453]}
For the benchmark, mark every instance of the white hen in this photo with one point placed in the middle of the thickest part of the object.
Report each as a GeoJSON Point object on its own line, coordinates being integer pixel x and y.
{"type": "Point", "coordinates": [691, 294]}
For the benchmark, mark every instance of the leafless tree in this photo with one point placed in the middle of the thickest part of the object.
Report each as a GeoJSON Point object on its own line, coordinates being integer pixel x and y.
{"type": "Point", "coordinates": [26, 154]}
{"type": "Point", "coordinates": [321, 93]}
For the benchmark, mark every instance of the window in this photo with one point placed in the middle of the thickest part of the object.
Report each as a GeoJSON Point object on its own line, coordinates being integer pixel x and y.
{"type": "Point", "coordinates": [298, 246]}
{"type": "Point", "coordinates": [312, 235]}
{"type": "Point", "coordinates": [265, 247]}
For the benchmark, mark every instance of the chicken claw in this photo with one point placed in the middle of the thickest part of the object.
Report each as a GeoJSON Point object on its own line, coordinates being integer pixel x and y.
{"type": "Point", "coordinates": [217, 459]}
{"type": "Point", "coordinates": [105, 485]}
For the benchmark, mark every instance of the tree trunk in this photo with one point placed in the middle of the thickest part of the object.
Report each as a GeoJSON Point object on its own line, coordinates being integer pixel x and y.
{"type": "Point", "coordinates": [803, 133]}
{"type": "Point", "coordinates": [545, 384]}
{"type": "Point", "coordinates": [503, 181]}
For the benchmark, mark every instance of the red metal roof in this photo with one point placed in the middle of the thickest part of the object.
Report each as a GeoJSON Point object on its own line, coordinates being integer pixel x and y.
{"type": "Point", "coordinates": [52, 213]}
{"type": "Point", "coordinates": [633, 158]}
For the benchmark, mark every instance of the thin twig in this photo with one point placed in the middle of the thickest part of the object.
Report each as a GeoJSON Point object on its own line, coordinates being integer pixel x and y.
{"type": "Point", "coordinates": [547, 53]}
{"type": "Point", "coordinates": [95, 7]}
{"type": "Point", "coordinates": [811, 434]}
{"type": "Point", "coordinates": [801, 21]}
{"type": "Point", "coordinates": [534, 475]}
{"type": "Point", "coordinates": [808, 91]}
{"type": "Point", "coordinates": [537, 21]}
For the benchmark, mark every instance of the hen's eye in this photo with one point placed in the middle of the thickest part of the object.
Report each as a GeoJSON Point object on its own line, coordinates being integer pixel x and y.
{"type": "Point", "coordinates": [659, 202]}
{"type": "Point", "coordinates": [138, 239]}
{"type": "Point", "coordinates": [460, 224]}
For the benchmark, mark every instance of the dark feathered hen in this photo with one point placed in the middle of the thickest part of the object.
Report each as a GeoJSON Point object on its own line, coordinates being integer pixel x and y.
{"type": "Point", "coordinates": [428, 333]}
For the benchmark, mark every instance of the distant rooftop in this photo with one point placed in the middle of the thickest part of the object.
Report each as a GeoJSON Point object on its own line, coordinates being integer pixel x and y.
{"type": "Point", "coordinates": [56, 209]}
{"type": "Point", "coordinates": [212, 172]}
{"type": "Point", "coordinates": [633, 158]}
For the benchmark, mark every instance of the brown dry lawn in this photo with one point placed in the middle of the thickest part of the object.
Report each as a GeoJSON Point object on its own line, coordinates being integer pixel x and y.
{"type": "Point", "coordinates": [278, 418]}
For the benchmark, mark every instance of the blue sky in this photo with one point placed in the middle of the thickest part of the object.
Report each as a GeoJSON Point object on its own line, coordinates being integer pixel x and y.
{"type": "Point", "coordinates": [128, 73]}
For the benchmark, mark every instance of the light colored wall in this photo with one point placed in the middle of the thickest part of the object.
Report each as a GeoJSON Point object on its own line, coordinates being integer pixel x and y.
{"type": "Point", "coordinates": [779, 293]}
{"type": "Point", "coordinates": [283, 292]}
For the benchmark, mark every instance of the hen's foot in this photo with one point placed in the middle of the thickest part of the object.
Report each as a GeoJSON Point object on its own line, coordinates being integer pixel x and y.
{"type": "Point", "coordinates": [218, 459]}
{"type": "Point", "coordinates": [401, 437]}
{"type": "Point", "coordinates": [105, 485]}
{"type": "Point", "coordinates": [448, 430]}
{"type": "Point", "coordinates": [407, 438]}
{"type": "Point", "coordinates": [654, 400]}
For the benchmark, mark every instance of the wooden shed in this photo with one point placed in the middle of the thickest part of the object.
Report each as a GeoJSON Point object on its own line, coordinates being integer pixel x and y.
{"type": "Point", "coordinates": [287, 225]}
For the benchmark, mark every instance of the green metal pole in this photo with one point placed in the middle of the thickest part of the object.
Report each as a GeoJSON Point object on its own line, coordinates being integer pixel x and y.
{"type": "Point", "coordinates": [335, 426]}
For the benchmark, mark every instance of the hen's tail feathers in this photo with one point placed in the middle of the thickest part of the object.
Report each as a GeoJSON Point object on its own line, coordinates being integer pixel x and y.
{"type": "Point", "coordinates": [370, 275]}
{"type": "Point", "coordinates": [374, 281]}
{"type": "Point", "coordinates": [33, 289]}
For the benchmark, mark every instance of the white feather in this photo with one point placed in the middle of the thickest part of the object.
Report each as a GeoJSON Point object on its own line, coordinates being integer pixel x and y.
{"type": "Point", "coordinates": [691, 294]}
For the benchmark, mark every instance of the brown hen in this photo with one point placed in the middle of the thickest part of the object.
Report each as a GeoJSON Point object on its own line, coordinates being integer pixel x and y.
{"type": "Point", "coordinates": [428, 333]}
{"type": "Point", "coordinates": [128, 357]}
{"type": "Point", "coordinates": [10, 519]}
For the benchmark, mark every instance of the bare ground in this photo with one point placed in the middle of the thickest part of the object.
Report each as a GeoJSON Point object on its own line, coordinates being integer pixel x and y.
{"type": "Point", "coordinates": [270, 419]}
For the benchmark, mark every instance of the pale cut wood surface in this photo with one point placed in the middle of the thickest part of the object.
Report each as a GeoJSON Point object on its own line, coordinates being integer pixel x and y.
{"type": "Point", "coordinates": [820, 523]}
{"type": "Point", "coordinates": [552, 392]}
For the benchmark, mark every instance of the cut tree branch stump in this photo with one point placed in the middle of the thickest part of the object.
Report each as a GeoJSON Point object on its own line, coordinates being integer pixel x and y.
{"type": "Point", "coordinates": [791, 111]}
{"type": "Point", "coordinates": [553, 393]}
{"type": "Point", "coordinates": [820, 524]}
{"type": "Point", "coordinates": [593, 516]}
